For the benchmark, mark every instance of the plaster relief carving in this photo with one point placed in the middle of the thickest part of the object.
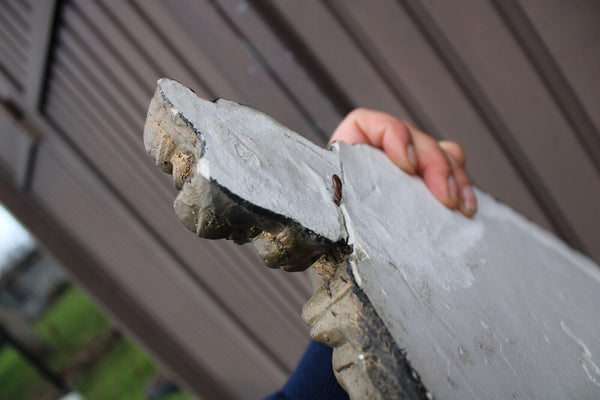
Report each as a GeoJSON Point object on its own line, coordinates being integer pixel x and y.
{"type": "Point", "coordinates": [417, 301]}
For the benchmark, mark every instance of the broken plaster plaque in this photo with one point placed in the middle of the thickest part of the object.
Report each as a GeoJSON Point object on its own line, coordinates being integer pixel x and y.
{"type": "Point", "coordinates": [241, 176]}
{"type": "Point", "coordinates": [424, 302]}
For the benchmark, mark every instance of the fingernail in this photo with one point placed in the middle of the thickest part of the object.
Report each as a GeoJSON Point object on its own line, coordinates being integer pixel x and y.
{"type": "Point", "coordinates": [468, 201]}
{"type": "Point", "coordinates": [411, 155]}
{"type": "Point", "coordinates": [452, 188]}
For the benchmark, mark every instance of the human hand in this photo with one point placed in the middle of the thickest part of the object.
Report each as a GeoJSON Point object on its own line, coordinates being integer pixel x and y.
{"type": "Point", "coordinates": [440, 164]}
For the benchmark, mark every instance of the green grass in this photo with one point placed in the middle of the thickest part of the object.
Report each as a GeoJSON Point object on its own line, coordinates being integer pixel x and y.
{"type": "Point", "coordinates": [18, 380]}
{"type": "Point", "coordinates": [118, 374]}
{"type": "Point", "coordinates": [71, 324]}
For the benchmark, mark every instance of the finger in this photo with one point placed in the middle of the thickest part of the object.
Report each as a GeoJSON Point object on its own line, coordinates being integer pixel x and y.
{"type": "Point", "coordinates": [455, 150]}
{"type": "Point", "coordinates": [379, 130]}
{"type": "Point", "coordinates": [467, 203]}
{"type": "Point", "coordinates": [435, 168]}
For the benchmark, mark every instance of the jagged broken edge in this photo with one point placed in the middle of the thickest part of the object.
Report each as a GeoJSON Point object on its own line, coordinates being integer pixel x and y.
{"type": "Point", "coordinates": [361, 338]}
{"type": "Point", "coordinates": [260, 212]}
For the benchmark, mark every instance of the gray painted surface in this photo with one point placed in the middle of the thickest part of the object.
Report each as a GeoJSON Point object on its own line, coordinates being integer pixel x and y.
{"type": "Point", "coordinates": [490, 307]}
{"type": "Point", "coordinates": [237, 144]}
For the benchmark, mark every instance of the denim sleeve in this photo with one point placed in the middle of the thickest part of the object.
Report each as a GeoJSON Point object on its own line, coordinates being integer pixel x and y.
{"type": "Point", "coordinates": [313, 378]}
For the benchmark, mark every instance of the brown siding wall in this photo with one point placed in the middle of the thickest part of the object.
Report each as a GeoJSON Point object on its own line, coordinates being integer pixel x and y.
{"type": "Point", "coordinates": [515, 82]}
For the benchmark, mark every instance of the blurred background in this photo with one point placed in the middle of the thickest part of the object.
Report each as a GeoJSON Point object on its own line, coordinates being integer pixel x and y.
{"type": "Point", "coordinates": [114, 273]}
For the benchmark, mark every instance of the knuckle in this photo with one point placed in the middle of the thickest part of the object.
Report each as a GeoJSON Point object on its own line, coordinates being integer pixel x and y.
{"type": "Point", "coordinates": [439, 165]}
{"type": "Point", "coordinates": [400, 129]}
{"type": "Point", "coordinates": [454, 149]}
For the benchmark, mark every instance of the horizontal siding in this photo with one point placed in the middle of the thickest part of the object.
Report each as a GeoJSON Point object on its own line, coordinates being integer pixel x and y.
{"type": "Point", "coordinates": [15, 37]}
{"type": "Point", "coordinates": [535, 128]}
{"type": "Point", "coordinates": [567, 57]}
{"type": "Point", "coordinates": [239, 61]}
{"type": "Point", "coordinates": [98, 103]}
{"type": "Point", "coordinates": [15, 149]}
{"type": "Point", "coordinates": [285, 64]}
